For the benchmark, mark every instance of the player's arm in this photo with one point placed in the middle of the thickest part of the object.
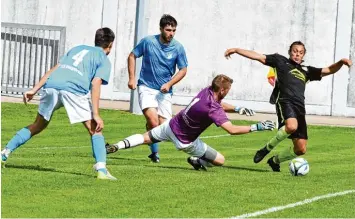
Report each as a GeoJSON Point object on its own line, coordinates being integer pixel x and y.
{"type": "Point", "coordinates": [181, 62]}
{"type": "Point", "coordinates": [335, 67]}
{"type": "Point", "coordinates": [95, 99]}
{"type": "Point", "coordinates": [177, 77]}
{"type": "Point", "coordinates": [238, 130]}
{"type": "Point", "coordinates": [246, 53]}
{"type": "Point", "coordinates": [131, 63]}
{"type": "Point", "coordinates": [27, 96]}
{"type": "Point", "coordinates": [241, 110]}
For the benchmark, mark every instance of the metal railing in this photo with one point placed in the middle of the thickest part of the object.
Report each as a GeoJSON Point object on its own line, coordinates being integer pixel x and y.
{"type": "Point", "coordinates": [28, 51]}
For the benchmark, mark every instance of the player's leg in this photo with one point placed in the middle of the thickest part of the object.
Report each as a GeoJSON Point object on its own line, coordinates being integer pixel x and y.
{"type": "Point", "coordinates": [23, 135]}
{"type": "Point", "coordinates": [157, 134]}
{"type": "Point", "coordinates": [98, 150]}
{"type": "Point", "coordinates": [152, 118]}
{"type": "Point", "coordinates": [202, 155]}
{"type": "Point", "coordinates": [149, 104]}
{"type": "Point", "coordinates": [48, 104]}
{"type": "Point", "coordinates": [299, 139]}
{"type": "Point", "coordinates": [164, 111]}
{"type": "Point", "coordinates": [79, 110]}
{"type": "Point", "coordinates": [288, 124]}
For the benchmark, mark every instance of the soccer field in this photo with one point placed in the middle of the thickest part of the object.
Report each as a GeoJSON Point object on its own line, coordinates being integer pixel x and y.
{"type": "Point", "coordinates": [51, 176]}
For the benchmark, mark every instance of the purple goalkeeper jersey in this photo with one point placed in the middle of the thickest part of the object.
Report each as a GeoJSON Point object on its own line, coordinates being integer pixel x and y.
{"type": "Point", "coordinates": [203, 110]}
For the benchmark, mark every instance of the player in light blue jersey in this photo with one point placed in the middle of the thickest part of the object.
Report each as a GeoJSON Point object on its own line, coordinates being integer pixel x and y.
{"type": "Point", "coordinates": [161, 55]}
{"type": "Point", "coordinates": [74, 83]}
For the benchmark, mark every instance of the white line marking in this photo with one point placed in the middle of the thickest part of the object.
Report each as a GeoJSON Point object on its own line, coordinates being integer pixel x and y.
{"type": "Point", "coordinates": [203, 137]}
{"type": "Point", "coordinates": [306, 201]}
{"type": "Point", "coordinates": [51, 148]}
{"type": "Point", "coordinates": [216, 136]}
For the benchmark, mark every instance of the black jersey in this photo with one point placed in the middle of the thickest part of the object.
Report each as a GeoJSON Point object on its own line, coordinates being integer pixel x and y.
{"type": "Point", "coordinates": [291, 79]}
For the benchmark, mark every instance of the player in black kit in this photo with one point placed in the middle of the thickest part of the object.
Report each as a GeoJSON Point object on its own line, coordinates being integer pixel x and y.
{"type": "Point", "coordinates": [288, 97]}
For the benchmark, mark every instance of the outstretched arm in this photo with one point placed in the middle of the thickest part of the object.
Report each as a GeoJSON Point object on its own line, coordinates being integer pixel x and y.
{"type": "Point", "coordinates": [241, 110]}
{"type": "Point", "coordinates": [238, 130]}
{"type": "Point", "coordinates": [335, 67]}
{"type": "Point", "coordinates": [246, 53]}
{"type": "Point", "coordinates": [27, 96]}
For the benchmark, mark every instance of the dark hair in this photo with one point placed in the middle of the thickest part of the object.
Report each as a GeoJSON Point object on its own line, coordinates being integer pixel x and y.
{"type": "Point", "coordinates": [166, 20]}
{"type": "Point", "coordinates": [103, 37]}
{"type": "Point", "coordinates": [298, 43]}
{"type": "Point", "coordinates": [221, 81]}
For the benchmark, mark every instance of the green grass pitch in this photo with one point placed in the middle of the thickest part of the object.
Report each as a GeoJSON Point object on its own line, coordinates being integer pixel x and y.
{"type": "Point", "coordinates": [51, 176]}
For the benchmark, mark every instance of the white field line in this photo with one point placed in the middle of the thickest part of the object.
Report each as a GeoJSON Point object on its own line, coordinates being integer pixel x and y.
{"type": "Point", "coordinates": [50, 148]}
{"type": "Point", "coordinates": [306, 201]}
{"type": "Point", "coordinates": [202, 137]}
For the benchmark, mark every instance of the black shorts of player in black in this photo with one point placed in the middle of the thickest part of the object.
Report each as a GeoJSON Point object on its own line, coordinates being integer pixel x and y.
{"type": "Point", "coordinates": [285, 111]}
{"type": "Point", "coordinates": [288, 94]}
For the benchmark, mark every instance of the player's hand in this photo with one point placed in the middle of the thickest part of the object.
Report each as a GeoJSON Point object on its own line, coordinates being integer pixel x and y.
{"type": "Point", "coordinates": [228, 53]}
{"type": "Point", "coordinates": [132, 84]}
{"type": "Point", "coordinates": [263, 126]}
{"type": "Point", "coordinates": [347, 62]}
{"type": "Point", "coordinates": [28, 95]}
{"type": "Point", "coordinates": [246, 111]}
{"type": "Point", "coordinates": [165, 88]}
{"type": "Point", "coordinates": [99, 123]}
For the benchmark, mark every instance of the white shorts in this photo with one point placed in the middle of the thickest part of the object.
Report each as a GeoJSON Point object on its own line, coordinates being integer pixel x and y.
{"type": "Point", "coordinates": [163, 132]}
{"type": "Point", "coordinates": [78, 107]}
{"type": "Point", "coordinates": [151, 98]}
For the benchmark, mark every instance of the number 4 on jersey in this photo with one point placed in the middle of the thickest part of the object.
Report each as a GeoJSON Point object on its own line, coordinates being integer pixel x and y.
{"type": "Point", "coordinates": [79, 57]}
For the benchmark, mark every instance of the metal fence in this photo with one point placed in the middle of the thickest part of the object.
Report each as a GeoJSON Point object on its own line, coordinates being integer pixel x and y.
{"type": "Point", "coordinates": [28, 51]}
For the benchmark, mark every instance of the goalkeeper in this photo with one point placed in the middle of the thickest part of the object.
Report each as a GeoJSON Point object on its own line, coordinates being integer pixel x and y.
{"type": "Point", "coordinates": [185, 128]}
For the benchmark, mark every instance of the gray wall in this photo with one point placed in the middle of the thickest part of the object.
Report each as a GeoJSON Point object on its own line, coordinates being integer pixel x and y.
{"type": "Point", "coordinates": [207, 29]}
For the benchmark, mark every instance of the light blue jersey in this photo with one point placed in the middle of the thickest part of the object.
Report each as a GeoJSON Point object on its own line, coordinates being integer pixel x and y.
{"type": "Point", "coordinates": [78, 67]}
{"type": "Point", "coordinates": [159, 61]}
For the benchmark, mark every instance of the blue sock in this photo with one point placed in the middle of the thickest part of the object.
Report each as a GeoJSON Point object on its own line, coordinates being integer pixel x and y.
{"type": "Point", "coordinates": [19, 139]}
{"type": "Point", "coordinates": [98, 148]}
{"type": "Point", "coordinates": [154, 147]}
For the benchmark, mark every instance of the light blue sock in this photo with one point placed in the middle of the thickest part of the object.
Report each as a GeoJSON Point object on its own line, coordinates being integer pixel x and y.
{"type": "Point", "coordinates": [19, 139]}
{"type": "Point", "coordinates": [98, 148]}
{"type": "Point", "coordinates": [154, 147]}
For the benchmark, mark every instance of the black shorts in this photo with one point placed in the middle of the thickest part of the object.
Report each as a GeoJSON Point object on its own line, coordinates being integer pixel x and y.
{"type": "Point", "coordinates": [288, 110]}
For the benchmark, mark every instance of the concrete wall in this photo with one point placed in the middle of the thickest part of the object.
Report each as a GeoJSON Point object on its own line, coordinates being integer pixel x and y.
{"type": "Point", "coordinates": [207, 29]}
{"type": "Point", "coordinates": [351, 85]}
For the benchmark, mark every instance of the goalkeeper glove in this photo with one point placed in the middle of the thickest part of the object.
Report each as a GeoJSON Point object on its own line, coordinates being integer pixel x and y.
{"type": "Point", "coordinates": [262, 126]}
{"type": "Point", "coordinates": [246, 111]}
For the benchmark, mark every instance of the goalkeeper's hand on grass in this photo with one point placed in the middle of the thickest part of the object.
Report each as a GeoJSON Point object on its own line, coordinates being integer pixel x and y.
{"type": "Point", "coordinates": [263, 126]}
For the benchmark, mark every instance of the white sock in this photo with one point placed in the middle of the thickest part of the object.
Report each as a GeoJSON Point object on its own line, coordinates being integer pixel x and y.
{"type": "Point", "coordinates": [6, 152]}
{"type": "Point", "coordinates": [100, 165]}
{"type": "Point", "coordinates": [131, 141]}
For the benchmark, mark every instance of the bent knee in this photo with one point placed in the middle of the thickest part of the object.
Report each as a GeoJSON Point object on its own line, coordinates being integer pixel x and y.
{"type": "Point", "coordinates": [219, 161]}
{"type": "Point", "coordinates": [93, 132]}
{"type": "Point", "coordinates": [152, 123]}
{"type": "Point", "coordinates": [300, 151]}
{"type": "Point", "coordinates": [291, 128]}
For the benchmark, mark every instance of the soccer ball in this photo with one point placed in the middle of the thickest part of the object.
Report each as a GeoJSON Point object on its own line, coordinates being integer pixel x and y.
{"type": "Point", "coordinates": [299, 167]}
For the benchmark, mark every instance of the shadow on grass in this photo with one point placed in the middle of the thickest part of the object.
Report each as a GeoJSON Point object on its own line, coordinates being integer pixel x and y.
{"type": "Point", "coordinates": [228, 167]}
{"type": "Point", "coordinates": [170, 167]}
{"type": "Point", "coordinates": [39, 168]}
{"type": "Point", "coordinates": [246, 168]}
